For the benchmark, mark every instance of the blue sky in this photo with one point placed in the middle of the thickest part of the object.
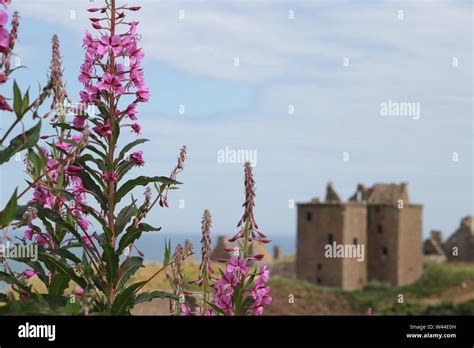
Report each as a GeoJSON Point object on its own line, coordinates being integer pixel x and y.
{"type": "Point", "coordinates": [189, 61]}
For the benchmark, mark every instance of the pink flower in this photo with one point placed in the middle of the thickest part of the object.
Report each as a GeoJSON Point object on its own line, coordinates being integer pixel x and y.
{"type": "Point", "coordinates": [136, 128]}
{"type": "Point", "coordinates": [88, 39]}
{"type": "Point", "coordinates": [44, 240]}
{"type": "Point", "coordinates": [237, 265]}
{"type": "Point", "coordinates": [132, 111]}
{"type": "Point", "coordinates": [29, 273]}
{"type": "Point", "coordinates": [109, 43]}
{"type": "Point", "coordinates": [84, 223]}
{"type": "Point", "coordinates": [73, 170]}
{"type": "Point", "coordinates": [110, 83]}
{"type": "Point", "coordinates": [3, 77]}
{"type": "Point", "coordinates": [79, 292]}
{"type": "Point", "coordinates": [63, 145]}
{"type": "Point", "coordinates": [4, 39]}
{"type": "Point", "coordinates": [87, 240]}
{"type": "Point", "coordinates": [79, 122]}
{"type": "Point", "coordinates": [185, 309]}
{"type": "Point", "coordinates": [89, 95]}
{"type": "Point", "coordinates": [23, 295]}
{"type": "Point", "coordinates": [28, 234]}
{"type": "Point", "coordinates": [3, 17]}
{"type": "Point", "coordinates": [143, 94]}
{"type": "Point", "coordinates": [104, 130]}
{"type": "Point", "coordinates": [137, 159]}
{"type": "Point", "coordinates": [109, 176]}
{"type": "Point", "coordinates": [4, 104]}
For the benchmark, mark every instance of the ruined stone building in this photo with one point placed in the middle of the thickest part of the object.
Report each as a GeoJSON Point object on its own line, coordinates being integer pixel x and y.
{"type": "Point", "coordinates": [433, 248]}
{"type": "Point", "coordinates": [380, 218]}
{"type": "Point", "coordinates": [460, 246]}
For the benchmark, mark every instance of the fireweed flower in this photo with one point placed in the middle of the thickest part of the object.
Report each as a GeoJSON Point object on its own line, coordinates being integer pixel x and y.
{"type": "Point", "coordinates": [61, 170]}
{"type": "Point", "coordinates": [174, 173]}
{"type": "Point", "coordinates": [240, 268]}
{"type": "Point", "coordinates": [176, 280]}
{"type": "Point", "coordinates": [29, 273]}
{"type": "Point", "coordinates": [7, 43]}
{"type": "Point", "coordinates": [237, 266]}
{"type": "Point", "coordinates": [112, 64]}
{"type": "Point", "coordinates": [137, 158]}
{"type": "Point", "coordinates": [80, 292]}
{"type": "Point", "coordinates": [206, 268]}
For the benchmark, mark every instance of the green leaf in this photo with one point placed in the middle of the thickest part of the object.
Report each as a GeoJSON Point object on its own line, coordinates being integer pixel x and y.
{"type": "Point", "coordinates": [141, 181]}
{"type": "Point", "coordinates": [8, 214]}
{"type": "Point", "coordinates": [167, 255]}
{"type": "Point", "coordinates": [148, 296]}
{"type": "Point", "coordinates": [99, 163]}
{"type": "Point", "coordinates": [110, 257]}
{"type": "Point", "coordinates": [91, 185]}
{"type": "Point", "coordinates": [128, 147]}
{"type": "Point", "coordinates": [68, 255]}
{"type": "Point", "coordinates": [26, 102]}
{"type": "Point", "coordinates": [17, 100]}
{"type": "Point", "coordinates": [7, 278]}
{"type": "Point", "coordinates": [128, 269]}
{"type": "Point", "coordinates": [65, 269]}
{"type": "Point", "coordinates": [134, 233]}
{"type": "Point", "coordinates": [124, 217]}
{"type": "Point", "coordinates": [59, 283]}
{"type": "Point", "coordinates": [21, 142]}
{"type": "Point", "coordinates": [125, 300]}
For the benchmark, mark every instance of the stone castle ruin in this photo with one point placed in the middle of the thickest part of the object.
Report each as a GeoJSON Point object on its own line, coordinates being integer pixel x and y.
{"type": "Point", "coordinates": [460, 245]}
{"type": "Point", "coordinates": [379, 221]}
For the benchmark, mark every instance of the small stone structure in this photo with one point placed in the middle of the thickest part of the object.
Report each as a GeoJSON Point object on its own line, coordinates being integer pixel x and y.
{"type": "Point", "coordinates": [277, 252]}
{"type": "Point", "coordinates": [460, 246]}
{"type": "Point", "coordinates": [433, 247]}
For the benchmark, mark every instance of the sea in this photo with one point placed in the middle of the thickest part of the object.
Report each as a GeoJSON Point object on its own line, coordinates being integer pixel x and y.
{"type": "Point", "coordinates": [152, 245]}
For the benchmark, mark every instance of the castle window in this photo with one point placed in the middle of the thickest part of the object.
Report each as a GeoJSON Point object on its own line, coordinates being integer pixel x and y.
{"type": "Point", "coordinates": [379, 228]}
{"type": "Point", "coordinates": [318, 280]}
{"type": "Point", "coordinates": [385, 251]}
{"type": "Point", "coordinates": [319, 267]}
{"type": "Point", "coordinates": [354, 241]}
{"type": "Point", "coordinates": [330, 238]}
{"type": "Point", "coordinates": [309, 216]}
{"type": "Point", "coordinates": [377, 209]}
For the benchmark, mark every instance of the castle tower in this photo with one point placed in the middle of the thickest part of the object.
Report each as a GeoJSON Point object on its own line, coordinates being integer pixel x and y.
{"type": "Point", "coordinates": [322, 224]}
{"type": "Point", "coordinates": [394, 235]}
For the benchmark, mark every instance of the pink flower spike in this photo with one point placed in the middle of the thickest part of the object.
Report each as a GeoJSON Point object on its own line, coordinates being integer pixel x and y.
{"type": "Point", "coordinates": [29, 273]}
{"type": "Point", "coordinates": [109, 176]}
{"type": "Point", "coordinates": [79, 292]}
{"type": "Point", "coordinates": [87, 240]}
